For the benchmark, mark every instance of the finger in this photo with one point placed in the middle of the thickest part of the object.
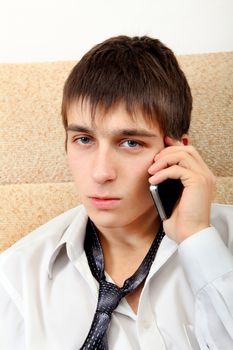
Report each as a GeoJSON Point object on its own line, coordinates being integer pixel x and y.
{"type": "Point", "coordinates": [179, 157]}
{"type": "Point", "coordinates": [184, 156]}
{"type": "Point", "coordinates": [168, 142]}
{"type": "Point", "coordinates": [188, 149]}
{"type": "Point", "coordinates": [202, 180]}
{"type": "Point", "coordinates": [181, 161]}
{"type": "Point", "coordinates": [172, 172]}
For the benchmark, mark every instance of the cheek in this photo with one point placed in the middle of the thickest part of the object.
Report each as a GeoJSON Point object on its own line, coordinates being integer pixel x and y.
{"type": "Point", "coordinates": [138, 175]}
{"type": "Point", "coordinates": [72, 162]}
{"type": "Point", "coordinates": [142, 165]}
{"type": "Point", "coordinates": [76, 164]}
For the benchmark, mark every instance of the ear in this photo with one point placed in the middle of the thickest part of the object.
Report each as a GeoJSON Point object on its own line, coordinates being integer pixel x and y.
{"type": "Point", "coordinates": [185, 139]}
{"type": "Point", "coordinates": [169, 141]}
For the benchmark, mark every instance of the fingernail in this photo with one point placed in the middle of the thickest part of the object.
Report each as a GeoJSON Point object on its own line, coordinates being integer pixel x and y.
{"type": "Point", "coordinates": [153, 180]}
{"type": "Point", "coordinates": [150, 168]}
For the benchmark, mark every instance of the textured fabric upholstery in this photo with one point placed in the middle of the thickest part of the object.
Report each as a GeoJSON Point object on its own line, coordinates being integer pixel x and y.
{"type": "Point", "coordinates": [35, 183]}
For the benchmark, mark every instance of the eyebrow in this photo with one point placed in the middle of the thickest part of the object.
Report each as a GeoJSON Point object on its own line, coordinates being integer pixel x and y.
{"type": "Point", "coordinates": [125, 132]}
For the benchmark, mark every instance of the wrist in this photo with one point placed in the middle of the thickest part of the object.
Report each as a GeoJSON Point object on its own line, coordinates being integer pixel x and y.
{"type": "Point", "coordinates": [182, 236]}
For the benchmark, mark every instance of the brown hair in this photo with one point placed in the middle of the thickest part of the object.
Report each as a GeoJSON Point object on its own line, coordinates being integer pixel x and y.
{"type": "Point", "coordinates": [140, 72]}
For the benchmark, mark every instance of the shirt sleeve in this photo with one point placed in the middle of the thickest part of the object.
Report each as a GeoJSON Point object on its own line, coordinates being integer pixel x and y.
{"type": "Point", "coordinates": [11, 323]}
{"type": "Point", "coordinates": [208, 265]}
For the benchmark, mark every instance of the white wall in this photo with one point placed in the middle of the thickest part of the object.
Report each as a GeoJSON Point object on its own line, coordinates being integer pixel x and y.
{"type": "Point", "coordinates": [45, 30]}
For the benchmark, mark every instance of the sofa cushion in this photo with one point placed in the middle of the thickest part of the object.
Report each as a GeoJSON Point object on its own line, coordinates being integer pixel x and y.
{"type": "Point", "coordinates": [24, 207]}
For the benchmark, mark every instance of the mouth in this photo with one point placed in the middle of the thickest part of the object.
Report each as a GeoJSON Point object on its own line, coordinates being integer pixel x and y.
{"type": "Point", "coordinates": [105, 202]}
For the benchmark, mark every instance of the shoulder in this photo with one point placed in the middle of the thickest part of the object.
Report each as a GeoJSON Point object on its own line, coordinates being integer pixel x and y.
{"type": "Point", "coordinates": [25, 265]}
{"type": "Point", "coordinates": [44, 239]}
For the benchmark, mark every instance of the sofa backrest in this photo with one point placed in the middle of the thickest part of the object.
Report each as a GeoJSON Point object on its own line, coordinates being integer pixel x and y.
{"type": "Point", "coordinates": [35, 183]}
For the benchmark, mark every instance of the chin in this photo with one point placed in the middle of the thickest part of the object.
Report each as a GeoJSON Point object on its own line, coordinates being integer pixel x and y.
{"type": "Point", "coordinates": [105, 218]}
{"type": "Point", "coordinates": [108, 218]}
{"type": "Point", "coordinates": [118, 217]}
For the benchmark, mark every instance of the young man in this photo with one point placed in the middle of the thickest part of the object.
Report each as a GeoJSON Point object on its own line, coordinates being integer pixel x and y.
{"type": "Point", "coordinates": [126, 111]}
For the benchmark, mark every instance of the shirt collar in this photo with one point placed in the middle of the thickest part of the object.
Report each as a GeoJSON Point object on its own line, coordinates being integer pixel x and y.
{"type": "Point", "coordinates": [166, 250]}
{"type": "Point", "coordinates": [72, 238]}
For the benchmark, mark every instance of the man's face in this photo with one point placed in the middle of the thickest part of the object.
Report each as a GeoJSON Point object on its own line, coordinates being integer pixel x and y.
{"type": "Point", "coordinates": [109, 160]}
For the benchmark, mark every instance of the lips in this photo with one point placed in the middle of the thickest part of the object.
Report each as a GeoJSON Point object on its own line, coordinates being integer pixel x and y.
{"type": "Point", "coordinates": [104, 198]}
{"type": "Point", "coordinates": [101, 202]}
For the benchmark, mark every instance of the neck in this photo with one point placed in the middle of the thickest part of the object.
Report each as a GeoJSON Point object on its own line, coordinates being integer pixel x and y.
{"type": "Point", "coordinates": [139, 232]}
{"type": "Point", "coordinates": [125, 247]}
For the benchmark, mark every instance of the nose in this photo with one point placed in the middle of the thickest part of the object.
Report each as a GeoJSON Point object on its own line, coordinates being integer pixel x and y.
{"type": "Point", "coordinates": [104, 167]}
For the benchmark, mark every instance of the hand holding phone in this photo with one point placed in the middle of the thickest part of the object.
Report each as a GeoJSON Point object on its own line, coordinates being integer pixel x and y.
{"type": "Point", "coordinates": [178, 161]}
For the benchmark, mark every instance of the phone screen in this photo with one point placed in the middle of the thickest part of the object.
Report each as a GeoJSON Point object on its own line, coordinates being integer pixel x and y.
{"type": "Point", "coordinates": [165, 196]}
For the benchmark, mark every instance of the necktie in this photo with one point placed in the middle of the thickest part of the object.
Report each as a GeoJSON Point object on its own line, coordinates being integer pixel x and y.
{"type": "Point", "coordinates": [109, 293]}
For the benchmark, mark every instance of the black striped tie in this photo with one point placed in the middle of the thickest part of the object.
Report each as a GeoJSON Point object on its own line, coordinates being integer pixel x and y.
{"type": "Point", "coordinates": [110, 294]}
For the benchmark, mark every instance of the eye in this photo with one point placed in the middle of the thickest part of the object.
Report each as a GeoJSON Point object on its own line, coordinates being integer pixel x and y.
{"type": "Point", "coordinates": [83, 140]}
{"type": "Point", "coordinates": [131, 144]}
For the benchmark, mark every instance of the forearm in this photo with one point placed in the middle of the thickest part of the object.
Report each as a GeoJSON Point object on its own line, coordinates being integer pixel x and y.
{"type": "Point", "coordinates": [208, 264]}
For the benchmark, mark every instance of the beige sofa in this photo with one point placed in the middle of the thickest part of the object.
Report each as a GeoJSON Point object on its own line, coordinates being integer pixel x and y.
{"type": "Point", "coordinates": [35, 184]}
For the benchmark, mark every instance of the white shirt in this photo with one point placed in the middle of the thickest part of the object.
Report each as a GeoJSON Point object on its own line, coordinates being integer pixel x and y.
{"type": "Point", "coordinates": [48, 294]}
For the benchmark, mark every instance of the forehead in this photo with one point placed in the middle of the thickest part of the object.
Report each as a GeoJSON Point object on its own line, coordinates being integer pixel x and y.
{"type": "Point", "coordinates": [116, 117]}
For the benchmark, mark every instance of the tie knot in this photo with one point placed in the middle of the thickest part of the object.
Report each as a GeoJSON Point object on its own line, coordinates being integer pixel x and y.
{"type": "Point", "coordinates": [109, 297]}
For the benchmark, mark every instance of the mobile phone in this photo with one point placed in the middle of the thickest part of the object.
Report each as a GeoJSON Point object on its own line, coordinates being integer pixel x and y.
{"type": "Point", "coordinates": [165, 196]}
